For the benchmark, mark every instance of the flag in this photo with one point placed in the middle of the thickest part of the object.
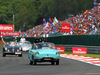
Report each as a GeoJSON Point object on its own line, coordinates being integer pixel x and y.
{"type": "Point", "coordinates": [55, 19]}
{"type": "Point", "coordinates": [23, 25]}
{"type": "Point", "coordinates": [50, 21]}
{"type": "Point", "coordinates": [95, 3]}
{"type": "Point", "coordinates": [44, 20]}
{"type": "Point", "coordinates": [20, 31]}
{"type": "Point", "coordinates": [47, 25]}
{"type": "Point", "coordinates": [44, 25]}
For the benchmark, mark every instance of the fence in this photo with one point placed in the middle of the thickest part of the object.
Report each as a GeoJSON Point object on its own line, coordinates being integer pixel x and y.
{"type": "Point", "coordinates": [88, 40]}
{"type": "Point", "coordinates": [92, 42]}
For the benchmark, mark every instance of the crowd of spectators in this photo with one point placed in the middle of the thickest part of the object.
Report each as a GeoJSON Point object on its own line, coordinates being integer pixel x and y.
{"type": "Point", "coordinates": [87, 22]}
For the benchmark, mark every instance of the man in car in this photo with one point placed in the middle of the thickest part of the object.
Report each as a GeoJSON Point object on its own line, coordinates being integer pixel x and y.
{"type": "Point", "coordinates": [38, 39]}
{"type": "Point", "coordinates": [22, 39]}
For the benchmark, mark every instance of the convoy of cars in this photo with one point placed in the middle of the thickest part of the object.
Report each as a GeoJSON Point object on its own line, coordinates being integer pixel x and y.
{"type": "Point", "coordinates": [39, 52]}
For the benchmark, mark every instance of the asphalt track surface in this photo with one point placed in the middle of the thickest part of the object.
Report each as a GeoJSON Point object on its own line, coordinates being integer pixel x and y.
{"type": "Point", "coordinates": [13, 65]}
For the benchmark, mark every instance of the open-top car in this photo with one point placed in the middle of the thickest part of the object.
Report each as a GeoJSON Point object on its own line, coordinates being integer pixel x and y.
{"type": "Point", "coordinates": [11, 48]}
{"type": "Point", "coordinates": [44, 52]}
{"type": "Point", "coordinates": [26, 45]}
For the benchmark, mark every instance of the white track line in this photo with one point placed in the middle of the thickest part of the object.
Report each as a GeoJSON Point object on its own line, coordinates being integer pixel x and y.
{"type": "Point", "coordinates": [89, 60]}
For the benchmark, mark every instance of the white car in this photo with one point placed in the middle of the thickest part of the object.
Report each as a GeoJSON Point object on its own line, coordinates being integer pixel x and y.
{"type": "Point", "coordinates": [26, 45]}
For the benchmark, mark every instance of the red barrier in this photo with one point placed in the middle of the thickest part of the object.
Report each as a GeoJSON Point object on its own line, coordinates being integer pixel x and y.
{"type": "Point", "coordinates": [9, 34]}
{"type": "Point", "coordinates": [7, 28]}
{"type": "Point", "coordinates": [61, 49]}
{"type": "Point", "coordinates": [65, 27]}
{"type": "Point", "coordinates": [79, 50]}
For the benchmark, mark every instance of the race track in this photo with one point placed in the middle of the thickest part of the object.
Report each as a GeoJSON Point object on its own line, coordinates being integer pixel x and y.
{"type": "Point", "coordinates": [13, 65]}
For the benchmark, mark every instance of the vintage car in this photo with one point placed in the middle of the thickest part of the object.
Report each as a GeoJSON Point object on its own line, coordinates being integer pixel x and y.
{"type": "Point", "coordinates": [11, 48]}
{"type": "Point", "coordinates": [44, 52]}
{"type": "Point", "coordinates": [26, 46]}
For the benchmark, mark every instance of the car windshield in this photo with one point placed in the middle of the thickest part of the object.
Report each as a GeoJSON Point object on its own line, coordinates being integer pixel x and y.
{"type": "Point", "coordinates": [11, 43]}
{"type": "Point", "coordinates": [44, 46]}
{"type": "Point", "coordinates": [23, 43]}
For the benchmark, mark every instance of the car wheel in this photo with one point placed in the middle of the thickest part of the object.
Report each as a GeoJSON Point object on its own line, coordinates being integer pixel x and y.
{"type": "Point", "coordinates": [31, 62]}
{"type": "Point", "coordinates": [35, 63]}
{"type": "Point", "coordinates": [57, 62]}
{"type": "Point", "coordinates": [20, 55]}
{"type": "Point", "coordinates": [4, 55]}
{"type": "Point", "coordinates": [52, 63]}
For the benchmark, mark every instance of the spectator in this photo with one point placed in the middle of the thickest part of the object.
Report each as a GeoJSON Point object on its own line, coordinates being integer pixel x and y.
{"type": "Point", "coordinates": [2, 42]}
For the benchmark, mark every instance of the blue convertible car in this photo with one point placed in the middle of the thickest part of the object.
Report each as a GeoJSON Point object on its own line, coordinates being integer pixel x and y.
{"type": "Point", "coordinates": [44, 52]}
{"type": "Point", "coordinates": [11, 48]}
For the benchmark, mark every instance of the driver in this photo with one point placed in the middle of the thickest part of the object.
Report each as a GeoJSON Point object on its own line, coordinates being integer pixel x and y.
{"type": "Point", "coordinates": [49, 45]}
{"type": "Point", "coordinates": [38, 46]}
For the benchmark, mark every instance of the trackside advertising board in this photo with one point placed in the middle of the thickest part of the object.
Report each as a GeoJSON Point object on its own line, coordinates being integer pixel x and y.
{"type": "Point", "coordinates": [61, 49]}
{"type": "Point", "coordinates": [65, 27]}
{"type": "Point", "coordinates": [7, 28]}
{"type": "Point", "coordinates": [79, 50]}
{"type": "Point", "coordinates": [9, 34]}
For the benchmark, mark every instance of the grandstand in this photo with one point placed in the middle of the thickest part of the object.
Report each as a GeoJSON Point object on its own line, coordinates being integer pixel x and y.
{"type": "Point", "coordinates": [88, 22]}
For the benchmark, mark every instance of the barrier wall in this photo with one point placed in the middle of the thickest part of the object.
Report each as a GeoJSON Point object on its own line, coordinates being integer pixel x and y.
{"type": "Point", "coordinates": [88, 40]}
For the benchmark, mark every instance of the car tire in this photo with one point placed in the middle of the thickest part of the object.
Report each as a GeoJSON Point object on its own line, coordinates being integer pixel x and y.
{"type": "Point", "coordinates": [35, 62]}
{"type": "Point", "coordinates": [31, 62]}
{"type": "Point", "coordinates": [20, 55]}
{"type": "Point", "coordinates": [52, 63]}
{"type": "Point", "coordinates": [4, 55]}
{"type": "Point", "coordinates": [57, 62]}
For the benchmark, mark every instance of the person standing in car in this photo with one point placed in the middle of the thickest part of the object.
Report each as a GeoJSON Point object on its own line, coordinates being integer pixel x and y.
{"type": "Point", "coordinates": [38, 39]}
{"type": "Point", "coordinates": [22, 39]}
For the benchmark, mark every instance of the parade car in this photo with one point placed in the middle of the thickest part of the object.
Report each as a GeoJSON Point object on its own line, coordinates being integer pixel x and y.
{"type": "Point", "coordinates": [26, 45]}
{"type": "Point", "coordinates": [11, 48]}
{"type": "Point", "coordinates": [44, 52]}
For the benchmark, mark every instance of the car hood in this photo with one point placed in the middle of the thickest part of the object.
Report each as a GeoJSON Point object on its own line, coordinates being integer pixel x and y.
{"type": "Point", "coordinates": [42, 51]}
{"type": "Point", "coordinates": [26, 45]}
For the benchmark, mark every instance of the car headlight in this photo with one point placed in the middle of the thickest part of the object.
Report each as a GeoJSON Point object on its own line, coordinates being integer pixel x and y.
{"type": "Point", "coordinates": [5, 48]}
{"type": "Point", "coordinates": [8, 50]}
{"type": "Point", "coordinates": [37, 53]}
{"type": "Point", "coordinates": [18, 50]}
{"type": "Point", "coordinates": [58, 53]}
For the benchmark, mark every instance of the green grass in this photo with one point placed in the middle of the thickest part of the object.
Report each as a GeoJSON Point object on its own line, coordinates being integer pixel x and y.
{"type": "Point", "coordinates": [89, 55]}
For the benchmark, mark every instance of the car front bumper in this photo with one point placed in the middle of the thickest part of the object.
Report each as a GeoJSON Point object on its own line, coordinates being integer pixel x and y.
{"type": "Point", "coordinates": [12, 52]}
{"type": "Point", "coordinates": [45, 59]}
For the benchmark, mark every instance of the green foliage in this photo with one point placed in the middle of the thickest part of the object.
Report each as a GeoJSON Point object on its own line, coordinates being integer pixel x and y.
{"type": "Point", "coordinates": [32, 12]}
